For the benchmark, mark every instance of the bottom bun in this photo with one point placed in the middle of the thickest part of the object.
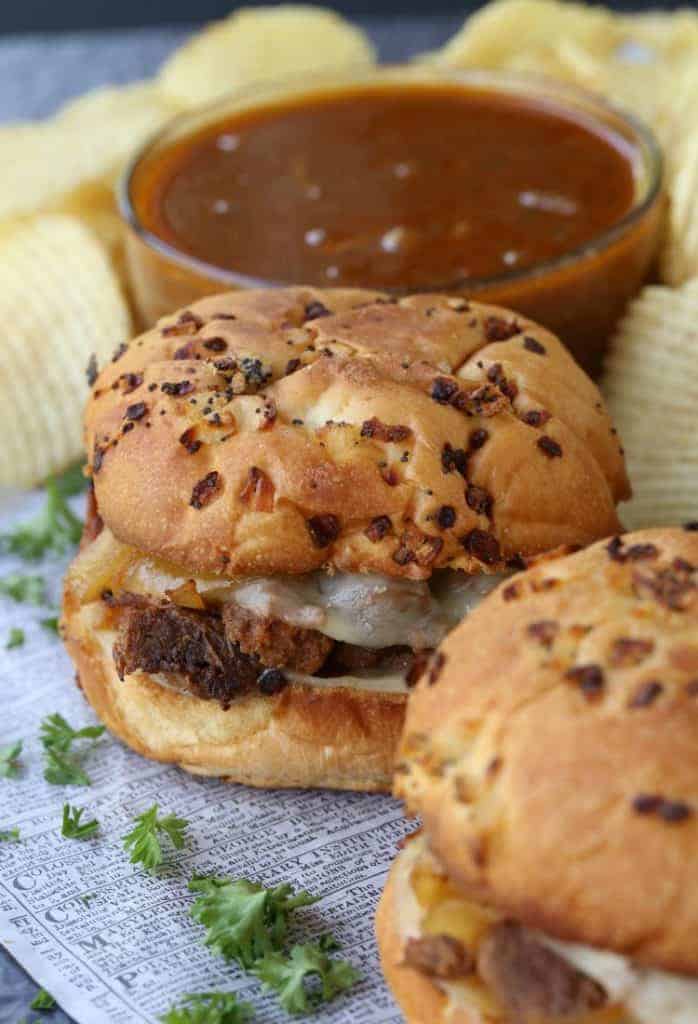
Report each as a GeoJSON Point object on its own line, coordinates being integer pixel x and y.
{"type": "Point", "coordinates": [305, 736]}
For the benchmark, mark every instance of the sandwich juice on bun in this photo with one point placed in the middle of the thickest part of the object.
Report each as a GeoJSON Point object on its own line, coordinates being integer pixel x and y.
{"type": "Point", "coordinates": [552, 751]}
{"type": "Point", "coordinates": [296, 492]}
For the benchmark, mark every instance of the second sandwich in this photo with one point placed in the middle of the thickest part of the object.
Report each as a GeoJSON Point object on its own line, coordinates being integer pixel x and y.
{"type": "Point", "coordinates": [552, 751]}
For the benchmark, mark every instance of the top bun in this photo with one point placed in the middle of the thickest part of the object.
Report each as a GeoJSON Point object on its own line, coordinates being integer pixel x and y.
{"type": "Point", "coordinates": [552, 748]}
{"type": "Point", "coordinates": [280, 430]}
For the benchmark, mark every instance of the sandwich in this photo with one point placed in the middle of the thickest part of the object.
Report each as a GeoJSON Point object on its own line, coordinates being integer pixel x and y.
{"type": "Point", "coordinates": [551, 749]}
{"type": "Point", "coordinates": [295, 494]}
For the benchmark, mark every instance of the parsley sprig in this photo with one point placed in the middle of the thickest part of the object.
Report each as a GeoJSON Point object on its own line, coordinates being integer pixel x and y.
{"type": "Point", "coordinates": [24, 589]}
{"type": "Point", "coordinates": [9, 760]}
{"type": "Point", "coordinates": [9, 835]}
{"type": "Point", "coordinates": [15, 638]}
{"type": "Point", "coordinates": [209, 1008]}
{"type": "Point", "coordinates": [73, 827]}
{"type": "Point", "coordinates": [50, 624]}
{"type": "Point", "coordinates": [143, 841]}
{"type": "Point", "coordinates": [248, 923]}
{"type": "Point", "coordinates": [56, 528]}
{"type": "Point", "coordinates": [56, 732]}
{"type": "Point", "coordinates": [72, 481]}
{"type": "Point", "coordinates": [306, 976]}
{"type": "Point", "coordinates": [43, 1000]}
{"type": "Point", "coordinates": [243, 920]}
{"type": "Point", "coordinates": [62, 765]}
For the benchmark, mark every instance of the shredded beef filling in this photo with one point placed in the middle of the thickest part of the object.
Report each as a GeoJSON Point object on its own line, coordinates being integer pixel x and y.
{"type": "Point", "coordinates": [224, 654]}
{"type": "Point", "coordinates": [532, 983]}
{"type": "Point", "coordinates": [275, 643]}
{"type": "Point", "coordinates": [440, 956]}
{"type": "Point", "coordinates": [166, 638]}
{"type": "Point", "coordinates": [349, 659]}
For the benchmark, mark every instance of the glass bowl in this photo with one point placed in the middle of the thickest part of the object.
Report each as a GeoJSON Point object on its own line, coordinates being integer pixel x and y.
{"type": "Point", "coordinates": [579, 295]}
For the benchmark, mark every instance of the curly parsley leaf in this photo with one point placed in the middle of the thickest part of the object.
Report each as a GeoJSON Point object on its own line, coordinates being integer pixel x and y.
{"type": "Point", "coordinates": [243, 920]}
{"type": "Point", "coordinates": [143, 841]}
{"type": "Point", "coordinates": [209, 1008]}
{"type": "Point", "coordinates": [9, 835]}
{"type": "Point", "coordinates": [58, 734]}
{"type": "Point", "coordinates": [62, 765]}
{"type": "Point", "coordinates": [9, 760]}
{"type": "Point", "coordinates": [306, 976]}
{"type": "Point", "coordinates": [63, 769]}
{"type": "Point", "coordinates": [73, 827]}
{"type": "Point", "coordinates": [43, 1000]}
{"type": "Point", "coordinates": [56, 528]}
{"type": "Point", "coordinates": [72, 481]}
{"type": "Point", "coordinates": [15, 638]}
{"type": "Point", "coordinates": [24, 589]}
{"type": "Point", "coordinates": [50, 624]}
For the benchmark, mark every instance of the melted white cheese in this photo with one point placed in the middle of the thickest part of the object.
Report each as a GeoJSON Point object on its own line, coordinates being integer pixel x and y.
{"type": "Point", "coordinates": [369, 610]}
{"type": "Point", "coordinates": [652, 997]}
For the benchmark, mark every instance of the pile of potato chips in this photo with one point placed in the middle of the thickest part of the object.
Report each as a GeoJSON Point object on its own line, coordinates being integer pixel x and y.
{"type": "Point", "coordinates": [647, 64]}
{"type": "Point", "coordinates": [63, 294]}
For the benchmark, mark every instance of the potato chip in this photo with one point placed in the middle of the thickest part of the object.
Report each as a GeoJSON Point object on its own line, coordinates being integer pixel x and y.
{"type": "Point", "coordinates": [258, 43]}
{"type": "Point", "coordinates": [651, 389]}
{"type": "Point", "coordinates": [59, 302]}
{"type": "Point", "coordinates": [86, 142]}
{"type": "Point", "coordinates": [634, 60]}
{"type": "Point", "coordinates": [497, 34]}
{"type": "Point", "coordinates": [96, 206]}
{"type": "Point", "coordinates": [679, 259]}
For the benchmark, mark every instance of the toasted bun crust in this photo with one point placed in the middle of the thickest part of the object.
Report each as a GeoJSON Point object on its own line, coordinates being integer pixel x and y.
{"type": "Point", "coordinates": [335, 738]}
{"type": "Point", "coordinates": [205, 466]}
{"type": "Point", "coordinates": [554, 757]}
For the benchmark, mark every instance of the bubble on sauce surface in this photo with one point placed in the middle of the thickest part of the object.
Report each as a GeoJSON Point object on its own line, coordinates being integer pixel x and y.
{"type": "Point", "coordinates": [396, 239]}
{"type": "Point", "coordinates": [315, 236]}
{"type": "Point", "coordinates": [403, 168]}
{"type": "Point", "coordinates": [228, 142]}
{"type": "Point", "coordinates": [548, 202]}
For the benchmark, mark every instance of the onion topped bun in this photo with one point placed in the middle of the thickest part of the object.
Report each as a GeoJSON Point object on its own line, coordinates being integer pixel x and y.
{"type": "Point", "coordinates": [551, 749]}
{"type": "Point", "coordinates": [296, 491]}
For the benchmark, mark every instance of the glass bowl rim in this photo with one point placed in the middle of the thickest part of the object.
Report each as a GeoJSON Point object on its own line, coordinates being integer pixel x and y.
{"type": "Point", "coordinates": [647, 145]}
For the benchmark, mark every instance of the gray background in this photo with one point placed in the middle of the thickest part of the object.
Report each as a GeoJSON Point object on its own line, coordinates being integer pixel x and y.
{"type": "Point", "coordinates": [66, 15]}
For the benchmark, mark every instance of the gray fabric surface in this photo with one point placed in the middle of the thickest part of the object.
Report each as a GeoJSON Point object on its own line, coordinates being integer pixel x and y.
{"type": "Point", "coordinates": [37, 74]}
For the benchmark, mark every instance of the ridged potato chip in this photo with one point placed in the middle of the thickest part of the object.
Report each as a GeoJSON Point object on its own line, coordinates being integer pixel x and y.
{"type": "Point", "coordinates": [86, 142]}
{"type": "Point", "coordinates": [258, 43]}
{"type": "Point", "coordinates": [96, 206]}
{"type": "Point", "coordinates": [634, 60]}
{"type": "Point", "coordinates": [59, 302]}
{"type": "Point", "coordinates": [679, 260]}
{"type": "Point", "coordinates": [651, 387]}
{"type": "Point", "coordinates": [497, 34]}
